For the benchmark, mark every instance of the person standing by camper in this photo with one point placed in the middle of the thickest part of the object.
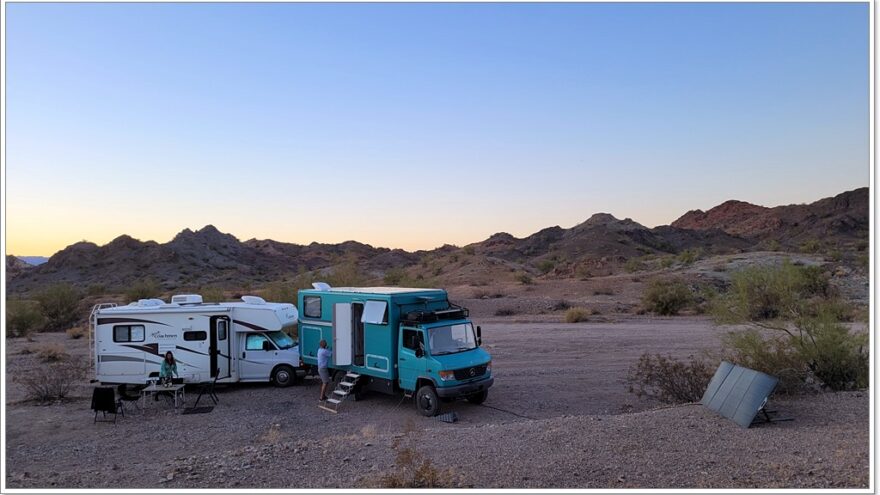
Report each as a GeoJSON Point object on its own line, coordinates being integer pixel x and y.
{"type": "Point", "coordinates": [323, 360]}
{"type": "Point", "coordinates": [169, 366]}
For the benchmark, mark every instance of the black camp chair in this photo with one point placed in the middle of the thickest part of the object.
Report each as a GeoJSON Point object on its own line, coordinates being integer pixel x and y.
{"type": "Point", "coordinates": [208, 388]}
{"type": "Point", "coordinates": [125, 397]}
{"type": "Point", "coordinates": [104, 401]}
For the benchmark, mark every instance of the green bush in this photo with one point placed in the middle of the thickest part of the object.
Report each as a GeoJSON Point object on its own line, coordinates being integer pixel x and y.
{"type": "Point", "coordinates": [666, 296]}
{"type": "Point", "coordinates": [145, 288]}
{"type": "Point", "coordinates": [469, 250]}
{"type": "Point", "coordinates": [689, 256]}
{"type": "Point", "coordinates": [23, 317]}
{"type": "Point", "coordinates": [669, 380]}
{"type": "Point", "coordinates": [575, 315]}
{"type": "Point", "coordinates": [811, 246]}
{"type": "Point", "coordinates": [807, 339]}
{"type": "Point", "coordinates": [633, 265]}
{"type": "Point", "coordinates": [347, 274]}
{"type": "Point", "coordinates": [546, 266]}
{"type": "Point", "coordinates": [394, 276]}
{"type": "Point", "coordinates": [523, 278]}
{"type": "Point", "coordinates": [666, 261]}
{"type": "Point", "coordinates": [58, 304]}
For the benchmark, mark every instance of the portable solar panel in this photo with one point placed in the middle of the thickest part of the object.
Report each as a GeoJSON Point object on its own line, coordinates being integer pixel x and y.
{"type": "Point", "coordinates": [738, 393]}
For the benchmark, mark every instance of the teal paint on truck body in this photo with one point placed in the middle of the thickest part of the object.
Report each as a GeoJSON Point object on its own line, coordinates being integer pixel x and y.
{"type": "Point", "coordinates": [404, 351]}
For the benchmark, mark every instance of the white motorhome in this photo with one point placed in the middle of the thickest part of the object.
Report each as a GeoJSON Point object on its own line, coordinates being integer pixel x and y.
{"type": "Point", "coordinates": [246, 341]}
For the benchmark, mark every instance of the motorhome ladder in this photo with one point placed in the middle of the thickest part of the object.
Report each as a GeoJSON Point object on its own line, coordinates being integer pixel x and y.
{"type": "Point", "coordinates": [344, 388]}
{"type": "Point", "coordinates": [93, 323]}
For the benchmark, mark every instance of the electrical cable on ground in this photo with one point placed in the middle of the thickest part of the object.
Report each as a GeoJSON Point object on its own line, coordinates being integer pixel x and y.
{"type": "Point", "coordinates": [508, 412]}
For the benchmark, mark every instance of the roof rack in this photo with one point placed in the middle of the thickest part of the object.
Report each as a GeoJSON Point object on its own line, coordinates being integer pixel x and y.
{"type": "Point", "coordinates": [454, 312]}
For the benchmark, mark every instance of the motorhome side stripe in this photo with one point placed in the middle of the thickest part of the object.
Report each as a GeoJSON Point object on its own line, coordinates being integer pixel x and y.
{"type": "Point", "coordinates": [151, 348]}
{"type": "Point", "coordinates": [250, 325]}
{"type": "Point", "coordinates": [192, 351]}
{"type": "Point", "coordinates": [105, 321]}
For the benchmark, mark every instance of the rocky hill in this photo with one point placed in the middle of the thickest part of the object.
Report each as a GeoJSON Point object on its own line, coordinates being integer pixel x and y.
{"type": "Point", "coordinates": [598, 246]}
{"type": "Point", "coordinates": [841, 219]}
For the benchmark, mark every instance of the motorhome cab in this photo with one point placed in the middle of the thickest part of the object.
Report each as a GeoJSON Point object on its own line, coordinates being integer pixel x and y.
{"type": "Point", "coordinates": [248, 341]}
{"type": "Point", "coordinates": [393, 339]}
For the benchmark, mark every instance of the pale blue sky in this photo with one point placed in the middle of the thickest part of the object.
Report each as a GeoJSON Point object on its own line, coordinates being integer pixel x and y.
{"type": "Point", "coordinates": [414, 125]}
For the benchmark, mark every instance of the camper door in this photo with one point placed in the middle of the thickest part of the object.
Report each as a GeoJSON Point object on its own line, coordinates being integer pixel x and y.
{"type": "Point", "coordinates": [342, 329]}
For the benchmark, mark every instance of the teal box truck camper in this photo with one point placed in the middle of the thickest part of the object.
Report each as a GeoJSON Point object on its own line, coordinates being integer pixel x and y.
{"type": "Point", "coordinates": [393, 339]}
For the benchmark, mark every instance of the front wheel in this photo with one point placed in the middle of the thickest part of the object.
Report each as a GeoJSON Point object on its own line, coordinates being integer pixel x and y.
{"type": "Point", "coordinates": [427, 402]}
{"type": "Point", "coordinates": [284, 376]}
{"type": "Point", "coordinates": [478, 398]}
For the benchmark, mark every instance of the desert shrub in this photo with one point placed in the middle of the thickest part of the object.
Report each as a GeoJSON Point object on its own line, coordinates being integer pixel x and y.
{"type": "Point", "coordinates": [76, 332]}
{"type": "Point", "coordinates": [666, 296]}
{"type": "Point", "coordinates": [212, 294]}
{"type": "Point", "coordinates": [51, 352]}
{"type": "Point", "coordinates": [145, 288]}
{"type": "Point", "coordinates": [23, 317]}
{"type": "Point", "coordinates": [59, 305]}
{"type": "Point", "coordinates": [689, 256]}
{"type": "Point", "coordinates": [505, 312]}
{"type": "Point", "coordinates": [667, 261]}
{"type": "Point", "coordinates": [834, 255]}
{"type": "Point", "coordinates": [411, 469]}
{"type": "Point", "coordinates": [633, 265]}
{"type": "Point", "coordinates": [574, 315]}
{"type": "Point", "coordinates": [773, 245]}
{"type": "Point", "coordinates": [96, 290]}
{"type": "Point", "coordinates": [545, 266]}
{"type": "Point", "coordinates": [281, 291]}
{"type": "Point", "coordinates": [583, 272]}
{"type": "Point", "coordinates": [811, 246]}
{"type": "Point", "coordinates": [523, 278]}
{"type": "Point", "coordinates": [347, 274]}
{"type": "Point", "coordinates": [468, 250]}
{"type": "Point", "coordinates": [394, 276]}
{"type": "Point", "coordinates": [803, 336]}
{"type": "Point", "coordinates": [669, 380]}
{"type": "Point", "coordinates": [52, 382]}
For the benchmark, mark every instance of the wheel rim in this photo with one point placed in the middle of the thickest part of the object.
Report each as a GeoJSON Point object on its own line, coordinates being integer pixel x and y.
{"type": "Point", "coordinates": [282, 377]}
{"type": "Point", "coordinates": [425, 402]}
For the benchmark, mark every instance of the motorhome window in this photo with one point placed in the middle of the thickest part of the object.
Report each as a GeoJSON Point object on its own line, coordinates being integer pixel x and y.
{"type": "Point", "coordinates": [221, 329]}
{"type": "Point", "coordinates": [312, 306]}
{"type": "Point", "coordinates": [255, 342]}
{"type": "Point", "coordinates": [412, 339]}
{"type": "Point", "coordinates": [375, 312]}
{"type": "Point", "coordinates": [281, 339]}
{"type": "Point", "coordinates": [195, 335]}
{"type": "Point", "coordinates": [452, 338]}
{"type": "Point", "coordinates": [128, 333]}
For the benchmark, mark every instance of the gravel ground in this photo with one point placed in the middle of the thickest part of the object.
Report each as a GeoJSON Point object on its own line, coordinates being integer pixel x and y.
{"type": "Point", "coordinates": [555, 420]}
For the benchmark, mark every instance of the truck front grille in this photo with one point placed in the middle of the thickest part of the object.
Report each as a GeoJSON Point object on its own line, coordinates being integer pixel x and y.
{"type": "Point", "coordinates": [468, 373]}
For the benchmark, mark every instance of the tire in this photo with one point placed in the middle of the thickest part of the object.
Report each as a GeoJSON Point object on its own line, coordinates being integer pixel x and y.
{"type": "Point", "coordinates": [284, 376]}
{"type": "Point", "coordinates": [478, 398]}
{"type": "Point", "coordinates": [427, 402]}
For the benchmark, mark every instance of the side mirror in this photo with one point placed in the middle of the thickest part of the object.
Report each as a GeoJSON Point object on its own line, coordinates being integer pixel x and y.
{"type": "Point", "coordinates": [267, 346]}
{"type": "Point", "coordinates": [419, 352]}
{"type": "Point", "coordinates": [479, 335]}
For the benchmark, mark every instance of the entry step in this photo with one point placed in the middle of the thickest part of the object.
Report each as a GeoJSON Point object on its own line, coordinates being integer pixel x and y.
{"type": "Point", "coordinates": [334, 401]}
{"type": "Point", "coordinates": [347, 384]}
{"type": "Point", "coordinates": [340, 392]}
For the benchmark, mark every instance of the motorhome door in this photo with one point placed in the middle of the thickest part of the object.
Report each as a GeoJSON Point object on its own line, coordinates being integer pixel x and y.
{"type": "Point", "coordinates": [220, 347]}
{"type": "Point", "coordinates": [342, 334]}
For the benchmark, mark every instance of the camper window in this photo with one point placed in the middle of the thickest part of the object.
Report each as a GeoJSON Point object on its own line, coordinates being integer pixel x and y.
{"type": "Point", "coordinates": [128, 333]}
{"type": "Point", "coordinates": [196, 335]}
{"type": "Point", "coordinates": [375, 312]}
{"type": "Point", "coordinates": [255, 342]}
{"type": "Point", "coordinates": [312, 306]}
{"type": "Point", "coordinates": [221, 330]}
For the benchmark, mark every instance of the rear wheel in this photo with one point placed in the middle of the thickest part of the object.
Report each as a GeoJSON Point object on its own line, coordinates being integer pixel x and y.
{"type": "Point", "coordinates": [478, 398]}
{"type": "Point", "coordinates": [284, 376]}
{"type": "Point", "coordinates": [427, 402]}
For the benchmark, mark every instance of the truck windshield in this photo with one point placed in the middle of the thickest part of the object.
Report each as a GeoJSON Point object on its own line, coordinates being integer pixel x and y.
{"type": "Point", "coordinates": [452, 338]}
{"type": "Point", "coordinates": [281, 339]}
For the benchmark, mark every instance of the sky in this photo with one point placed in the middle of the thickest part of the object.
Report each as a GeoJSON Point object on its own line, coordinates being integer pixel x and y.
{"type": "Point", "coordinates": [415, 125]}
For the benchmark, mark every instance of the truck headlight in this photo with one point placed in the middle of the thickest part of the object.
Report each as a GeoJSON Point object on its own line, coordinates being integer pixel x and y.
{"type": "Point", "coordinates": [447, 375]}
{"type": "Point", "coordinates": [489, 367]}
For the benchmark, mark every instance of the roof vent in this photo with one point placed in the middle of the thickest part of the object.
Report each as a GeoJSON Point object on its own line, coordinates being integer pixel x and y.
{"type": "Point", "coordinates": [186, 299]}
{"type": "Point", "coordinates": [321, 286]}
{"type": "Point", "coordinates": [253, 300]}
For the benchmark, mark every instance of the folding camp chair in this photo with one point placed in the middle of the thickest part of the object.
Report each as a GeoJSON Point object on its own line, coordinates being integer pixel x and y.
{"type": "Point", "coordinates": [104, 401]}
{"type": "Point", "coordinates": [208, 388]}
{"type": "Point", "coordinates": [126, 398]}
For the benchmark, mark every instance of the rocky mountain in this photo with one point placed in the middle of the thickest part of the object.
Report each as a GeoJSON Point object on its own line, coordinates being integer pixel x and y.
{"type": "Point", "coordinates": [599, 245]}
{"type": "Point", "coordinates": [840, 219]}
